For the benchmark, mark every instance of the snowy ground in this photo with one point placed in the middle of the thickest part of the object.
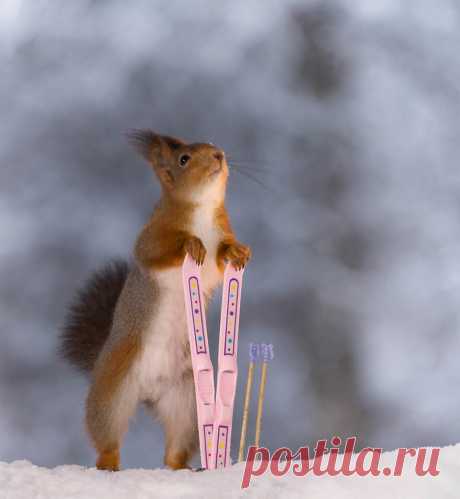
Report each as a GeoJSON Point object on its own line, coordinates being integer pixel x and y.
{"type": "Point", "coordinates": [23, 480]}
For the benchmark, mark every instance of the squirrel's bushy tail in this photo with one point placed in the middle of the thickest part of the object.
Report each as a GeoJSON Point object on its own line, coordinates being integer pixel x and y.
{"type": "Point", "coordinates": [89, 319]}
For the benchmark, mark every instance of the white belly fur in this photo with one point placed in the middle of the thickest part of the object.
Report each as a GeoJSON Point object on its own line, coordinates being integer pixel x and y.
{"type": "Point", "coordinates": [166, 339]}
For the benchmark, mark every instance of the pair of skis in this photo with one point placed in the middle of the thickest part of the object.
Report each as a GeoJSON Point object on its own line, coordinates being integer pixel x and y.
{"type": "Point", "coordinates": [214, 408]}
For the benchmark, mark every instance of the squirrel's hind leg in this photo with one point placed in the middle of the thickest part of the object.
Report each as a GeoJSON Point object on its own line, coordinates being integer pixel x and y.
{"type": "Point", "coordinates": [176, 410]}
{"type": "Point", "coordinates": [111, 401]}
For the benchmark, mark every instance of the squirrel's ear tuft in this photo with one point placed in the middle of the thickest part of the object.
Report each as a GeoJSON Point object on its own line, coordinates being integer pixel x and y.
{"type": "Point", "coordinates": [143, 140]}
{"type": "Point", "coordinates": [151, 145]}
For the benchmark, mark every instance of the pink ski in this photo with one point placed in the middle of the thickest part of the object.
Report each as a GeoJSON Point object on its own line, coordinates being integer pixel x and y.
{"type": "Point", "coordinates": [215, 412]}
{"type": "Point", "coordinates": [203, 372]}
{"type": "Point", "coordinates": [228, 367]}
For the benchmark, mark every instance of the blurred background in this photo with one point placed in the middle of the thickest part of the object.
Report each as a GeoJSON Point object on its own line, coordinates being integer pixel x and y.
{"type": "Point", "coordinates": [344, 113]}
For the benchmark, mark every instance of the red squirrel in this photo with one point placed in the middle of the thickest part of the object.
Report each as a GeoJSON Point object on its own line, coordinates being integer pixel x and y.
{"type": "Point", "coordinates": [127, 327]}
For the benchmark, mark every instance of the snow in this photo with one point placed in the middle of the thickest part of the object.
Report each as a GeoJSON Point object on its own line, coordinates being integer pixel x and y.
{"type": "Point", "coordinates": [23, 480]}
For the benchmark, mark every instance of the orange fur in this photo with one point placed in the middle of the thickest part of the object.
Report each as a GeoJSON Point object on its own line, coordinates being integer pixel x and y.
{"type": "Point", "coordinates": [177, 460]}
{"type": "Point", "coordinates": [229, 248]}
{"type": "Point", "coordinates": [109, 460]}
{"type": "Point", "coordinates": [161, 244]}
{"type": "Point", "coordinates": [116, 364]}
{"type": "Point", "coordinates": [108, 378]}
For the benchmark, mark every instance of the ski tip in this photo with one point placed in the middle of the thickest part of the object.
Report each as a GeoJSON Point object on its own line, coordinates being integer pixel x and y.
{"type": "Point", "coordinates": [234, 272]}
{"type": "Point", "coordinates": [267, 352]}
{"type": "Point", "coordinates": [189, 265]}
{"type": "Point", "coordinates": [254, 352]}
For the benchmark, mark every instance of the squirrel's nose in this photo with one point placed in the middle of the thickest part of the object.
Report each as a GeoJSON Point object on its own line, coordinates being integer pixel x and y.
{"type": "Point", "coordinates": [219, 155]}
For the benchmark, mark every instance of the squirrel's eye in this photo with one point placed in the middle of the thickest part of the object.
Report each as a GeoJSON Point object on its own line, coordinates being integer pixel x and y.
{"type": "Point", "coordinates": [183, 159]}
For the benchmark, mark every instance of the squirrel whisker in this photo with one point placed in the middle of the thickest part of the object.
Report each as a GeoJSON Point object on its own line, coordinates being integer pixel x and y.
{"type": "Point", "coordinates": [250, 176]}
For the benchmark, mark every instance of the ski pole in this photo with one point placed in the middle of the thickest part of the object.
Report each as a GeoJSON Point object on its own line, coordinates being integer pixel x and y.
{"type": "Point", "coordinates": [254, 353]}
{"type": "Point", "coordinates": [267, 355]}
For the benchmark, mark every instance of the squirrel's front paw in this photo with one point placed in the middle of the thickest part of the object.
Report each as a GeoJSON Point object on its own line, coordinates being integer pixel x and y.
{"type": "Point", "coordinates": [195, 248]}
{"type": "Point", "coordinates": [238, 255]}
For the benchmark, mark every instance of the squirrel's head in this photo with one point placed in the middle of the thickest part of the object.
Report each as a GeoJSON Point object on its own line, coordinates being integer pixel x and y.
{"type": "Point", "coordinates": [192, 172]}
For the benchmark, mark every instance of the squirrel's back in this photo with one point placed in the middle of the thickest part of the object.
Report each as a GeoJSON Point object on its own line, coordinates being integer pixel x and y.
{"type": "Point", "coordinates": [89, 320]}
